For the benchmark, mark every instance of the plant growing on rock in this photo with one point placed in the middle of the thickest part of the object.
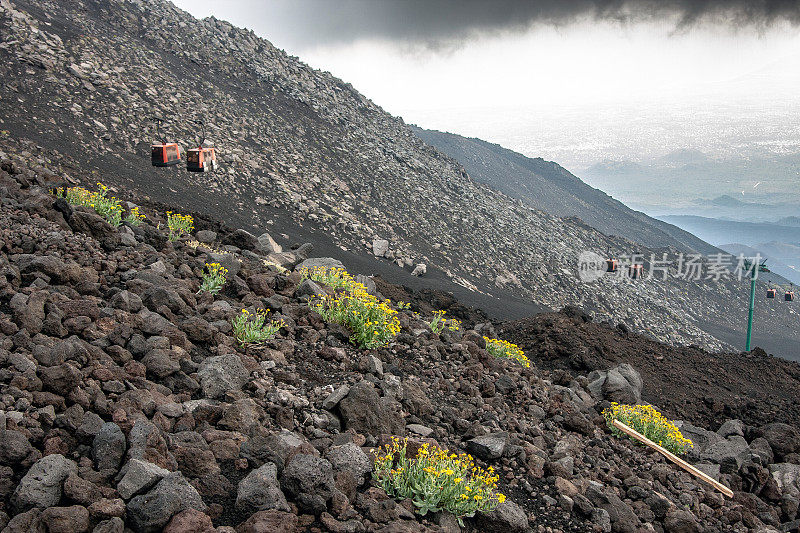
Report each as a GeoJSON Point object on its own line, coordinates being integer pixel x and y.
{"type": "Point", "coordinates": [436, 480]}
{"type": "Point", "coordinates": [439, 322]}
{"type": "Point", "coordinates": [372, 323]}
{"type": "Point", "coordinates": [335, 278]}
{"type": "Point", "coordinates": [105, 206]}
{"type": "Point", "coordinates": [179, 225]}
{"type": "Point", "coordinates": [649, 422]}
{"type": "Point", "coordinates": [507, 350]}
{"type": "Point", "coordinates": [252, 328]}
{"type": "Point", "coordinates": [135, 217]}
{"type": "Point", "coordinates": [214, 278]}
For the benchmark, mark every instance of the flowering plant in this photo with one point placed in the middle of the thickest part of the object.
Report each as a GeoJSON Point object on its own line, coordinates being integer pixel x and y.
{"type": "Point", "coordinates": [214, 278]}
{"type": "Point", "coordinates": [105, 206]}
{"type": "Point", "coordinates": [439, 322]}
{"type": "Point", "coordinates": [649, 422]}
{"type": "Point", "coordinates": [436, 480]}
{"type": "Point", "coordinates": [372, 323]}
{"type": "Point", "coordinates": [179, 225]}
{"type": "Point", "coordinates": [252, 328]}
{"type": "Point", "coordinates": [501, 348]}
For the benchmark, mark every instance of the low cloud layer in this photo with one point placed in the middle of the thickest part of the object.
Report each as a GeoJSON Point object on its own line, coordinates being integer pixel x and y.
{"type": "Point", "coordinates": [447, 23]}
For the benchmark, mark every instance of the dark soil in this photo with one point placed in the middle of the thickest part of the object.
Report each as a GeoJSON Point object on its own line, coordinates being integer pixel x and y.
{"type": "Point", "coordinates": [685, 382]}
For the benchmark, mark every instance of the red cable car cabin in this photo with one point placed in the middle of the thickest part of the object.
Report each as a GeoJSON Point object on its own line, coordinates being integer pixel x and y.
{"type": "Point", "coordinates": [789, 296]}
{"type": "Point", "coordinates": [201, 159]}
{"type": "Point", "coordinates": [771, 293]}
{"type": "Point", "coordinates": [635, 271]}
{"type": "Point", "coordinates": [611, 265]}
{"type": "Point", "coordinates": [165, 154]}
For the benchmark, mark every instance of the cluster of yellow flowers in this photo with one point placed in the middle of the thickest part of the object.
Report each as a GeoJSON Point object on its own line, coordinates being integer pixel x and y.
{"type": "Point", "coordinates": [179, 225]}
{"type": "Point", "coordinates": [335, 278]}
{"type": "Point", "coordinates": [105, 206]}
{"type": "Point", "coordinates": [251, 328]}
{"type": "Point", "coordinates": [134, 218]}
{"type": "Point", "coordinates": [436, 479]}
{"type": "Point", "coordinates": [439, 322]}
{"type": "Point", "coordinates": [501, 348]}
{"type": "Point", "coordinates": [372, 323]}
{"type": "Point", "coordinates": [214, 278]}
{"type": "Point", "coordinates": [649, 422]}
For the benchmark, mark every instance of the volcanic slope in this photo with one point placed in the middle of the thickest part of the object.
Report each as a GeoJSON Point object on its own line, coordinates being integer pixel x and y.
{"type": "Point", "coordinates": [127, 404]}
{"type": "Point", "coordinates": [88, 77]}
{"type": "Point", "coordinates": [549, 187]}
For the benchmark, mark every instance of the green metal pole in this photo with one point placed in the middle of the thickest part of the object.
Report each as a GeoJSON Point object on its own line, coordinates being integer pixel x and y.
{"type": "Point", "coordinates": [750, 312]}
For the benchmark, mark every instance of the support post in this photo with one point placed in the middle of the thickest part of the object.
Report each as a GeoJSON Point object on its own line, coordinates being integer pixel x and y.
{"type": "Point", "coordinates": [750, 311]}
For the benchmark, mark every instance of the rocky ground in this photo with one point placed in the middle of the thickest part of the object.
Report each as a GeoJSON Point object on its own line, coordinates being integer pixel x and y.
{"type": "Point", "coordinates": [125, 403]}
{"type": "Point", "coordinates": [86, 78]}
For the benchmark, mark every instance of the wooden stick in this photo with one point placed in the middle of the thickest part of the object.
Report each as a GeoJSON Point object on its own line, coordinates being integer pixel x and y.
{"type": "Point", "coordinates": [674, 458]}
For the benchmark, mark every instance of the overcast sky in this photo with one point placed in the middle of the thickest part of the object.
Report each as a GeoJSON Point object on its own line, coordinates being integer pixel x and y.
{"type": "Point", "coordinates": [428, 60]}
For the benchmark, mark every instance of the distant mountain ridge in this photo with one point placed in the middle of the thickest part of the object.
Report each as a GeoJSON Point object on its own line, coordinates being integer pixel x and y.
{"type": "Point", "coordinates": [550, 187]}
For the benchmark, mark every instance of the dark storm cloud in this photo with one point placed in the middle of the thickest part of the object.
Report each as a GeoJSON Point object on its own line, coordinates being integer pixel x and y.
{"type": "Point", "coordinates": [436, 23]}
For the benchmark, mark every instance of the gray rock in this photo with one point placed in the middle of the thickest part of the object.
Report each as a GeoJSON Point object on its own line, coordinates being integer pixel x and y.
{"type": "Point", "coordinates": [760, 448]}
{"type": "Point", "coordinates": [366, 412]}
{"type": "Point", "coordinates": [681, 521]}
{"type": "Point", "coordinates": [701, 439]}
{"type": "Point", "coordinates": [222, 373]}
{"type": "Point", "coordinates": [783, 438]}
{"type": "Point", "coordinates": [159, 363]}
{"type": "Point", "coordinates": [260, 491]}
{"type": "Point", "coordinates": [266, 244]}
{"type": "Point", "coordinates": [109, 447]}
{"type": "Point", "coordinates": [308, 287]}
{"type": "Point", "coordinates": [41, 485]}
{"type": "Point", "coordinates": [138, 477]}
{"type": "Point", "coordinates": [274, 447]}
{"type": "Point", "coordinates": [380, 247]}
{"type": "Point", "coordinates": [350, 458]}
{"type": "Point", "coordinates": [14, 446]}
{"type": "Point", "coordinates": [371, 365]}
{"type": "Point", "coordinates": [112, 525]}
{"type": "Point", "coordinates": [310, 480]}
{"type": "Point", "coordinates": [150, 512]}
{"type": "Point", "coordinates": [419, 429]}
{"type": "Point", "coordinates": [787, 476]}
{"type": "Point", "coordinates": [488, 447]}
{"type": "Point", "coordinates": [712, 470]}
{"type": "Point", "coordinates": [241, 239]}
{"type": "Point", "coordinates": [420, 270]}
{"type": "Point", "coordinates": [508, 517]}
{"type": "Point", "coordinates": [325, 262]}
{"type": "Point", "coordinates": [206, 236]}
{"type": "Point", "coordinates": [730, 454]}
{"type": "Point", "coordinates": [229, 261]}
{"type": "Point", "coordinates": [731, 428]}
{"type": "Point", "coordinates": [335, 397]}
{"type": "Point", "coordinates": [601, 519]}
{"type": "Point", "coordinates": [623, 519]}
{"type": "Point", "coordinates": [623, 384]}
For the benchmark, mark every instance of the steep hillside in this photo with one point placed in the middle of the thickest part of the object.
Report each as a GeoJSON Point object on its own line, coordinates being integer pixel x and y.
{"type": "Point", "coordinates": [549, 187]}
{"type": "Point", "coordinates": [128, 404]}
{"type": "Point", "coordinates": [85, 79]}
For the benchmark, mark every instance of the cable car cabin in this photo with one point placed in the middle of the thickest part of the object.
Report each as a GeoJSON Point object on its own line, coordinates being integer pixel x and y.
{"type": "Point", "coordinates": [789, 296]}
{"type": "Point", "coordinates": [771, 294]}
{"type": "Point", "coordinates": [201, 160]}
{"type": "Point", "coordinates": [165, 154]}
{"type": "Point", "coordinates": [611, 265]}
{"type": "Point", "coordinates": [635, 271]}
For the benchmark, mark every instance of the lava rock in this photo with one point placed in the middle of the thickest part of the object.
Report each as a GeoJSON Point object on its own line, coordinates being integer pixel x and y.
{"type": "Point", "coordinates": [222, 373]}
{"type": "Point", "coordinates": [260, 491]}
{"type": "Point", "coordinates": [41, 485]}
{"type": "Point", "coordinates": [150, 512]}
